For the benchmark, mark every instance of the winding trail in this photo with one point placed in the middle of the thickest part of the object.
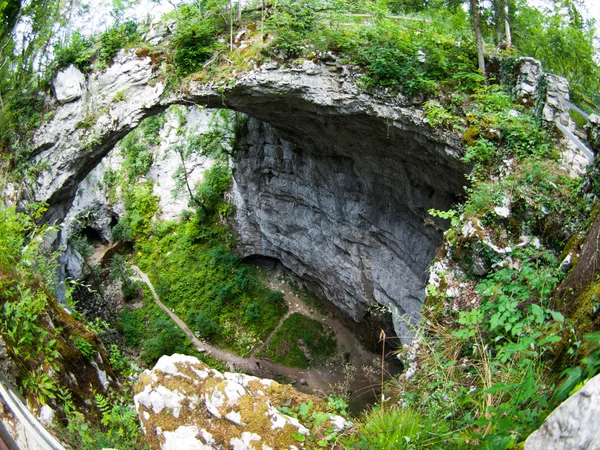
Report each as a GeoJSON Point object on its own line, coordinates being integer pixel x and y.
{"type": "Point", "coordinates": [321, 380]}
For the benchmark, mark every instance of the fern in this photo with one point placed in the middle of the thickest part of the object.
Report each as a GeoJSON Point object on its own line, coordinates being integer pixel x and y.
{"type": "Point", "coordinates": [120, 420]}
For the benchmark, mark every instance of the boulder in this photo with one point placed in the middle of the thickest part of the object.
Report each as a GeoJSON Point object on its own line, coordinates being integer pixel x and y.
{"type": "Point", "coordinates": [68, 84]}
{"type": "Point", "coordinates": [183, 403]}
{"type": "Point", "coordinates": [574, 424]}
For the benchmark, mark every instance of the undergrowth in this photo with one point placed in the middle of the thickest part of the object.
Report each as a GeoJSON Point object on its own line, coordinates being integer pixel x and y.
{"type": "Point", "coordinates": [301, 342]}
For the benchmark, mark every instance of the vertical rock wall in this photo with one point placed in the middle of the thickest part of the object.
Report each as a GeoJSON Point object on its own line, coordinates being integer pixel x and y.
{"type": "Point", "coordinates": [352, 222]}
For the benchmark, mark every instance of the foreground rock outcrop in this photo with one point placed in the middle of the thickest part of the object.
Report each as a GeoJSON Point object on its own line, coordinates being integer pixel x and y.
{"type": "Point", "coordinates": [184, 404]}
{"type": "Point", "coordinates": [574, 424]}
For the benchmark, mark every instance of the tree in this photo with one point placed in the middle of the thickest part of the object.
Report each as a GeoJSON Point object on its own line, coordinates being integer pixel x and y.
{"type": "Point", "coordinates": [216, 143]}
{"type": "Point", "coordinates": [562, 40]}
{"type": "Point", "coordinates": [501, 10]}
{"type": "Point", "coordinates": [476, 17]}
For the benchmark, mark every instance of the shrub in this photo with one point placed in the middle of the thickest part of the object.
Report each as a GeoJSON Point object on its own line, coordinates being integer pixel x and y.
{"type": "Point", "coordinates": [253, 311]}
{"type": "Point", "coordinates": [166, 339]}
{"type": "Point", "coordinates": [131, 324]}
{"type": "Point", "coordinates": [86, 348]}
{"type": "Point", "coordinates": [78, 52]}
{"type": "Point", "coordinates": [203, 325]}
{"type": "Point", "coordinates": [117, 37]}
{"type": "Point", "coordinates": [122, 231]}
{"type": "Point", "coordinates": [194, 40]}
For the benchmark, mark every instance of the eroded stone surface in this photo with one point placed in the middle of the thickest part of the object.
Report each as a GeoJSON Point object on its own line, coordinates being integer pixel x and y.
{"type": "Point", "coordinates": [574, 424]}
{"type": "Point", "coordinates": [182, 403]}
{"type": "Point", "coordinates": [347, 216]}
{"type": "Point", "coordinates": [68, 84]}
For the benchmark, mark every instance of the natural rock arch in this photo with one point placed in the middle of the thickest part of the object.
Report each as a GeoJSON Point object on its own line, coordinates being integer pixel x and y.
{"type": "Point", "coordinates": [333, 182]}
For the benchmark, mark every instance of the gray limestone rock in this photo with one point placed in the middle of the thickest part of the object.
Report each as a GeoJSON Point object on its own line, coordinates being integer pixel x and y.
{"type": "Point", "coordinates": [574, 424]}
{"type": "Point", "coordinates": [593, 130]}
{"type": "Point", "coordinates": [557, 90]}
{"type": "Point", "coordinates": [528, 80]}
{"type": "Point", "coordinates": [345, 215]}
{"type": "Point", "coordinates": [69, 84]}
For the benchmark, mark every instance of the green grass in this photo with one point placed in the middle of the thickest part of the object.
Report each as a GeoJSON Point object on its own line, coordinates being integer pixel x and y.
{"type": "Point", "coordinates": [196, 275]}
{"type": "Point", "coordinates": [284, 347]}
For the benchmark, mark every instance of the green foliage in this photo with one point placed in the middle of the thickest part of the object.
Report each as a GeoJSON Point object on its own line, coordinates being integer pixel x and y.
{"type": "Point", "coordinates": [24, 271]}
{"type": "Point", "coordinates": [119, 362]}
{"type": "Point", "coordinates": [291, 24]}
{"type": "Point", "coordinates": [201, 280]}
{"type": "Point", "coordinates": [131, 325]}
{"type": "Point", "coordinates": [118, 427]}
{"type": "Point", "coordinates": [119, 420]}
{"type": "Point", "coordinates": [205, 327]}
{"type": "Point", "coordinates": [563, 42]}
{"type": "Point", "coordinates": [101, 49]}
{"type": "Point", "coordinates": [194, 40]}
{"type": "Point", "coordinates": [85, 347]}
{"type": "Point", "coordinates": [386, 428]}
{"type": "Point", "coordinates": [253, 312]}
{"type": "Point", "coordinates": [166, 339]}
{"type": "Point", "coordinates": [78, 52]}
{"type": "Point", "coordinates": [81, 245]}
{"type": "Point", "coordinates": [137, 155]}
{"type": "Point", "coordinates": [576, 377]}
{"type": "Point", "coordinates": [300, 341]}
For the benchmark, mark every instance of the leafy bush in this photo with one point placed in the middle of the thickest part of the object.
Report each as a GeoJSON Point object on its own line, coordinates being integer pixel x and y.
{"type": "Point", "coordinates": [253, 311]}
{"type": "Point", "coordinates": [194, 40]}
{"type": "Point", "coordinates": [203, 326]}
{"type": "Point", "coordinates": [290, 24]}
{"type": "Point", "coordinates": [116, 38]}
{"type": "Point", "coordinates": [78, 52]}
{"type": "Point", "coordinates": [85, 347]}
{"type": "Point", "coordinates": [122, 231]}
{"type": "Point", "coordinates": [132, 326]}
{"type": "Point", "coordinates": [82, 51]}
{"type": "Point", "coordinates": [166, 339]}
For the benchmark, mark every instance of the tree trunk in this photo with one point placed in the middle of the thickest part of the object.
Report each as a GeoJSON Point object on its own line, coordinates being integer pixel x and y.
{"type": "Point", "coordinates": [477, 28]}
{"type": "Point", "coordinates": [507, 30]}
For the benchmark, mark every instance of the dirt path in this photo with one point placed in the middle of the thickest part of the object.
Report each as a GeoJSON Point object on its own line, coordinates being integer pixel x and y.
{"type": "Point", "coordinates": [322, 380]}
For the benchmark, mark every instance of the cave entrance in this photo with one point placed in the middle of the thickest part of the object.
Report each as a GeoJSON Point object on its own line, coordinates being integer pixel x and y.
{"type": "Point", "coordinates": [92, 236]}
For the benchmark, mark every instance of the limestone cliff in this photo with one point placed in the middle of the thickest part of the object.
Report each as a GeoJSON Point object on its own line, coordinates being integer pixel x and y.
{"type": "Point", "coordinates": [334, 182]}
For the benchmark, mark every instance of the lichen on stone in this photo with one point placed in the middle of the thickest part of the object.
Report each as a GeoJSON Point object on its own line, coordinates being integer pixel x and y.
{"type": "Point", "coordinates": [182, 403]}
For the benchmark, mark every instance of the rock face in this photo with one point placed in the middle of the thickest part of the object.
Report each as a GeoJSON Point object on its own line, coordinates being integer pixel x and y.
{"type": "Point", "coordinates": [68, 84]}
{"type": "Point", "coordinates": [345, 214]}
{"type": "Point", "coordinates": [94, 210]}
{"type": "Point", "coordinates": [529, 71]}
{"type": "Point", "coordinates": [182, 403]}
{"type": "Point", "coordinates": [82, 132]}
{"type": "Point", "coordinates": [574, 424]}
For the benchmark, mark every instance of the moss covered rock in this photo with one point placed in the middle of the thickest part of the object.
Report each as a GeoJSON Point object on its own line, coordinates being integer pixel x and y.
{"type": "Point", "coordinates": [183, 403]}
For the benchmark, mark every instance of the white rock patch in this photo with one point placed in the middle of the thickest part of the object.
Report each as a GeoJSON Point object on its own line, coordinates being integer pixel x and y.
{"type": "Point", "coordinates": [183, 438]}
